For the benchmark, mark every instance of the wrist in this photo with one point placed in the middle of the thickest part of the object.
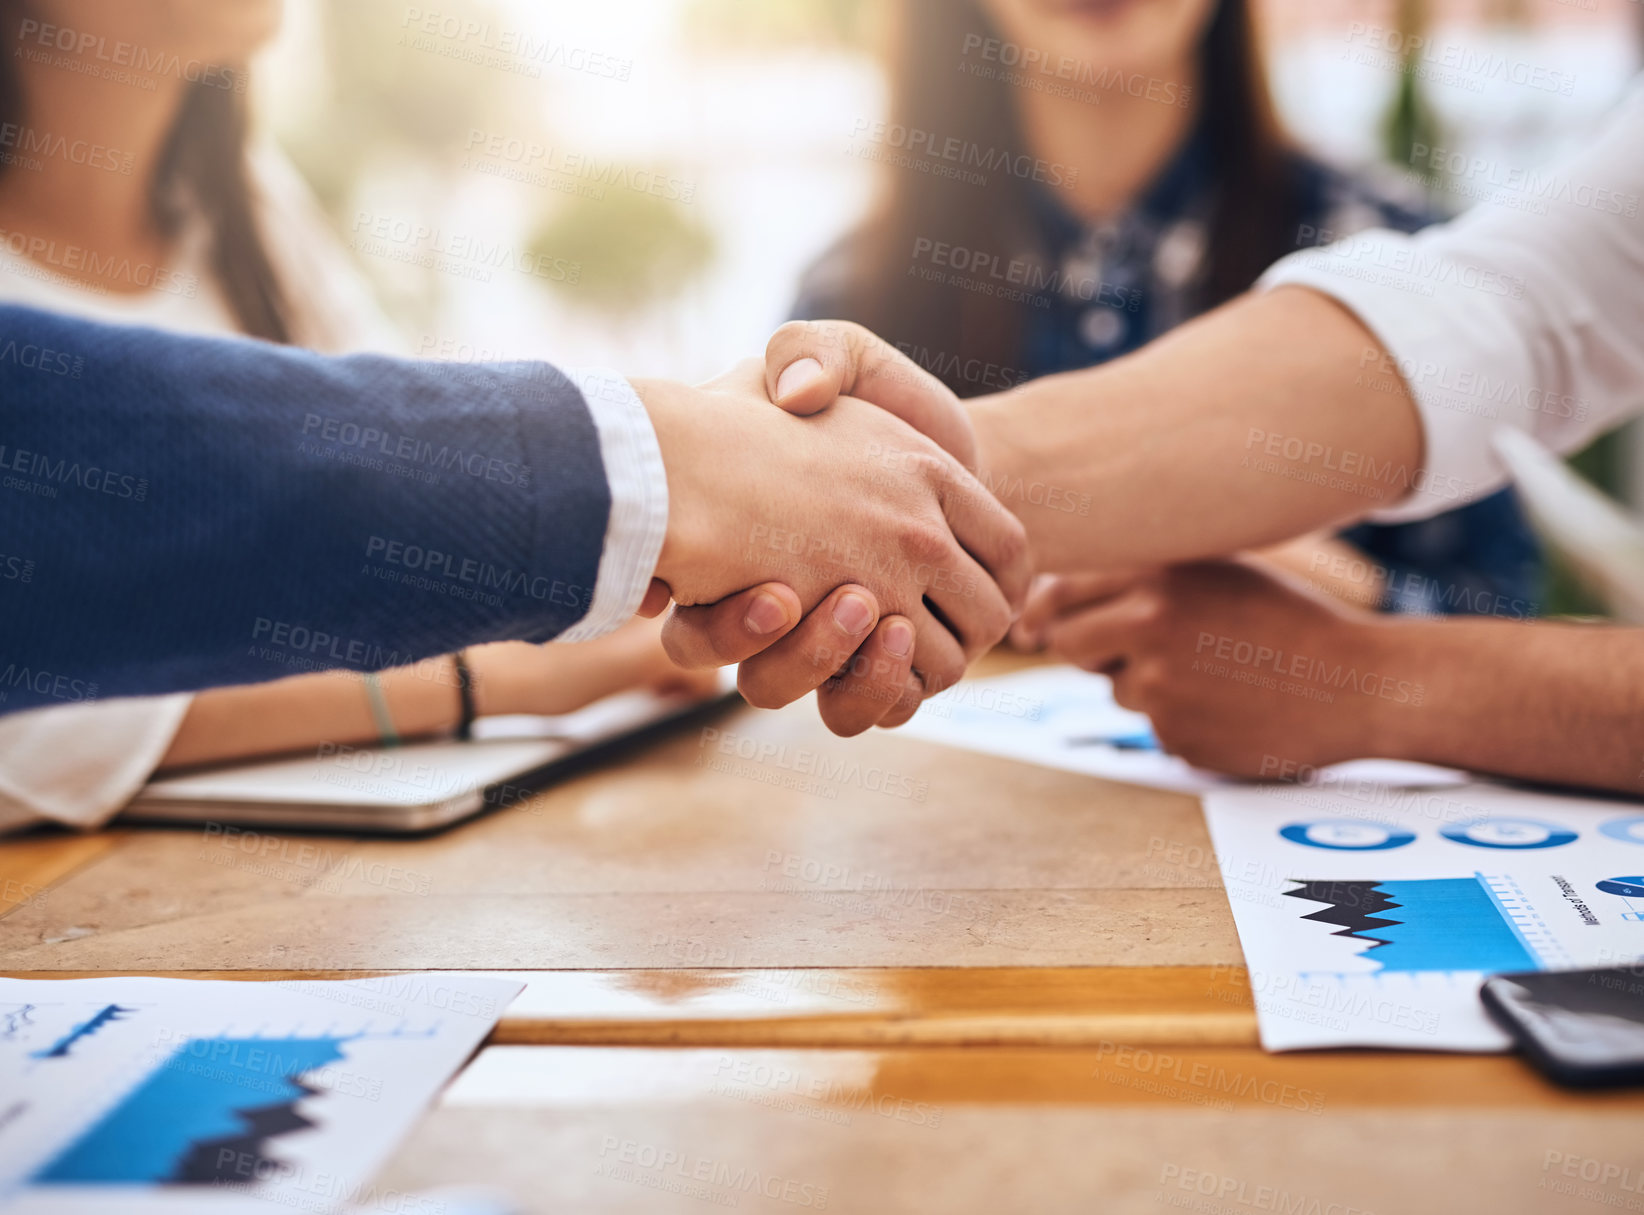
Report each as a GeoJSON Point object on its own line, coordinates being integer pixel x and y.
{"type": "Point", "coordinates": [1394, 722]}
{"type": "Point", "coordinates": [1018, 450]}
{"type": "Point", "coordinates": [1003, 464]}
{"type": "Point", "coordinates": [676, 424]}
{"type": "Point", "coordinates": [988, 417]}
{"type": "Point", "coordinates": [492, 683]}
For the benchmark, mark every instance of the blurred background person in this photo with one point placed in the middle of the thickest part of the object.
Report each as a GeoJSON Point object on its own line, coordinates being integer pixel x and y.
{"type": "Point", "coordinates": [138, 197]}
{"type": "Point", "coordinates": [1151, 181]}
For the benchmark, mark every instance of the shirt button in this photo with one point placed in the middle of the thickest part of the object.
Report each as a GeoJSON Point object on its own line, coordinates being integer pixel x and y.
{"type": "Point", "coordinates": [1180, 253]}
{"type": "Point", "coordinates": [1102, 328]}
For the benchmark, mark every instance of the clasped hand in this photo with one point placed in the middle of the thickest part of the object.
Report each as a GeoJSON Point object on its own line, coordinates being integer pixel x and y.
{"type": "Point", "coordinates": [846, 551]}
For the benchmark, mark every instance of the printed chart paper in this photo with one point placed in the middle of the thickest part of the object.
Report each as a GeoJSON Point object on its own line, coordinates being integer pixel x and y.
{"type": "Point", "coordinates": [1370, 915]}
{"type": "Point", "coordinates": [138, 1094]}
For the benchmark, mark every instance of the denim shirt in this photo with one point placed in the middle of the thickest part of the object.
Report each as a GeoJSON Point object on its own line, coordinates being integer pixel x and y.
{"type": "Point", "coordinates": [1129, 280]}
{"type": "Point", "coordinates": [1480, 559]}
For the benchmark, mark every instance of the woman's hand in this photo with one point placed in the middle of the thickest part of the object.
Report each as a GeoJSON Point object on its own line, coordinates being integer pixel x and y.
{"type": "Point", "coordinates": [1241, 669]}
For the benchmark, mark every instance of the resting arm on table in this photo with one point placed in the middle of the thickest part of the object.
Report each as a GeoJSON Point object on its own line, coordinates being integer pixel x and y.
{"type": "Point", "coordinates": [185, 500]}
{"type": "Point", "coordinates": [1247, 670]}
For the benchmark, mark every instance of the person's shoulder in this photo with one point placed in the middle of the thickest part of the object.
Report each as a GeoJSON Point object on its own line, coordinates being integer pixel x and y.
{"type": "Point", "coordinates": [825, 288]}
{"type": "Point", "coordinates": [1344, 201]}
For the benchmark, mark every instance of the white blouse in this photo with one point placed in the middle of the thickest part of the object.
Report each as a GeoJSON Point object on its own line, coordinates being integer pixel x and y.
{"type": "Point", "coordinates": [79, 764]}
{"type": "Point", "coordinates": [1527, 312]}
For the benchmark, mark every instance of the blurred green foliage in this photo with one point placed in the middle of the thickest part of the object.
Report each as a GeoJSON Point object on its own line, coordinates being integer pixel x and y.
{"type": "Point", "coordinates": [636, 249]}
{"type": "Point", "coordinates": [1604, 464]}
{"type": "Point", "coordinates": [1409, 120]}
{"type": "Point", "coordinates": [388, 106]}
{"type": "Point", "coordinates": [383, 99]}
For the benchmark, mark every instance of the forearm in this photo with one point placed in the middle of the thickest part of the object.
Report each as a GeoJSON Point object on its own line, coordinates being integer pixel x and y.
{"type": "Point", "coordinates": [423, 700]}
{"type": "Point", "coordinates": [1559, 703]}
{"type": "Point", "coordinates": [1247, 427]}
{"type": "Point", "coordinates": [298, 714]}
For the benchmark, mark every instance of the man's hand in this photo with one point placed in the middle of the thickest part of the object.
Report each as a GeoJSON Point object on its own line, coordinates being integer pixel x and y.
{"type": "Point", "coordinates": [1240, 669]}
{"type": "Point", "coordinates": [807, 367]}
{"type": "Point", "coordinates": [916, 568]}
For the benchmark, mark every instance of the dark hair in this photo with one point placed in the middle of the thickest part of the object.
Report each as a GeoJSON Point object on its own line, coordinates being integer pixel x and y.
{"type": "Point", "coordinates": [867, 281]}
{"type": "Point", "coordinates": [204, 160]}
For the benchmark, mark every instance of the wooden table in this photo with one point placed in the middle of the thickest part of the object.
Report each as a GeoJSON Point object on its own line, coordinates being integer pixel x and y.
{"type": "Point", "coordinates": [776, 970]}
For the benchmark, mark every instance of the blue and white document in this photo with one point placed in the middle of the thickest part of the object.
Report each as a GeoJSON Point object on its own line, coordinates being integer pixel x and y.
{"type": "Point", "coordinates": [137, 1094]}
{"type": "Point", "coordinates": [1371, 914]}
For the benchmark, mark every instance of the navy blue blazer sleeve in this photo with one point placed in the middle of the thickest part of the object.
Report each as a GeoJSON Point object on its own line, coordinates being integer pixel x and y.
{"type": "Point", "coordinates": [178, 512]}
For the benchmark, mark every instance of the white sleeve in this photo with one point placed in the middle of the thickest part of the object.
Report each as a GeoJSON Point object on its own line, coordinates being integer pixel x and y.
{"type": "Point", "coordinates": [79, 764]}
{"type": "Point", "coordinates": [639, 502]}
{"type": "Point", "coordinates": [1527, 312]}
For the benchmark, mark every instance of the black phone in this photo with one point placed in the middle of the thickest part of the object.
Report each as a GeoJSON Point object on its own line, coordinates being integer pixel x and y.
{"type": "Point", "coordinates": [1581, 1028]}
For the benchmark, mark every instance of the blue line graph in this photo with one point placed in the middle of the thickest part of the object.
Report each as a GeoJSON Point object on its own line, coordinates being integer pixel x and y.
{"type": "Point", "coordinates": [106, 1015]}
{"type": "Point", "coordinates": [14, 1020]}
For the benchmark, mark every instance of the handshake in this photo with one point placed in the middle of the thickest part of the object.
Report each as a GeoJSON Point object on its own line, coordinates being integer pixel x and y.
{"type": "Point", "coordinates": [841, 539]}
{"type": "Point", "coordinates": [839, 543]}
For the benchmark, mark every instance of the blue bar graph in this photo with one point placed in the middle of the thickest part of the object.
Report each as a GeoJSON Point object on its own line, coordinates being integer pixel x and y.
{"type": "Point", "coordinates": [205, 1115]}
{"type": "Point", "coordinates": [1429, 924]}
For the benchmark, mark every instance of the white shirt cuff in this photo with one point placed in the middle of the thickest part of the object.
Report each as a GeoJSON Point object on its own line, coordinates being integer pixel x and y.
{"type": "Point", "coordinates": [79, 764]}
{"type": "Point", "coordinates": [639, 502]}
